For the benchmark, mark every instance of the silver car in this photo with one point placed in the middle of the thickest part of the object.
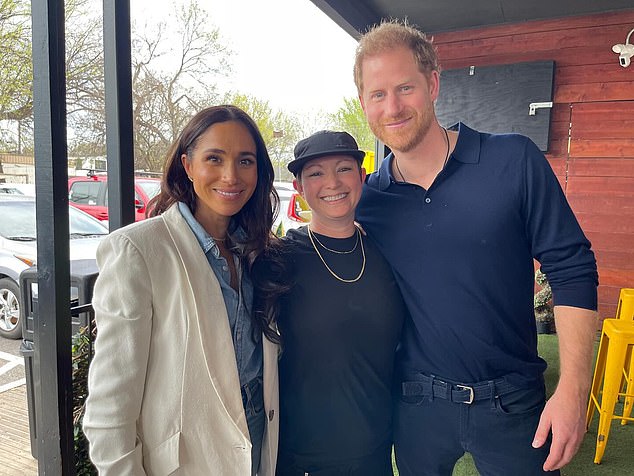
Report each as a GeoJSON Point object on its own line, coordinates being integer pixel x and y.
{"type": "Point", "coordinates": [18, 251]}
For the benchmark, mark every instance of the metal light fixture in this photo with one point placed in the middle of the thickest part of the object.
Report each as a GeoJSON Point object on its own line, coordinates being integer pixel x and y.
{"type": "Point", "coordinates": [625, 51]}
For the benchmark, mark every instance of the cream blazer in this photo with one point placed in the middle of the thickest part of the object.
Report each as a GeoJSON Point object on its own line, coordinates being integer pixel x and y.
{"type": "Point", "coordinates": [164, 393]}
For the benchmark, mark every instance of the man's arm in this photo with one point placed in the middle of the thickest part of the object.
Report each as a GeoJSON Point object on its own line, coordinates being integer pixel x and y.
{"type": "Point", "coordinates": [565, 411]}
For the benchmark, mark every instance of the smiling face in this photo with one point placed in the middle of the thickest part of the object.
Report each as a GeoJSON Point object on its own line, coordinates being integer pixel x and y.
{"type": "Point", "coordinates": [397, 98]}
{"type": "Point", "coordinates": [223, 168]}
{"type": "Point", "coordinates": [332, 187]}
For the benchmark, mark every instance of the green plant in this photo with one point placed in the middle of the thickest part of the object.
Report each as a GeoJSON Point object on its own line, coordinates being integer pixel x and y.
{"type": "Point", "coordinates": [542, 303]}
{"type": "Point", "coordinates": [81, 352]}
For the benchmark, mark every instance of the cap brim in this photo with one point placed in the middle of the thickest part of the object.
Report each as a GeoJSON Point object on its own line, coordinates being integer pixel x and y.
{"type": "Point", "coordinates": [295, 166]}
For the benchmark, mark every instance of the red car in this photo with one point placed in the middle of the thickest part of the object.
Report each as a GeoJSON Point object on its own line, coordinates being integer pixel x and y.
{"type": "Point", "coordinates": [90, 194]}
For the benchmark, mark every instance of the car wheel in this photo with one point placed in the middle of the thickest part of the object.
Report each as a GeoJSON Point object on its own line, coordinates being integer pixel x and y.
{"type": "Point", "coordinates": [10, 325]}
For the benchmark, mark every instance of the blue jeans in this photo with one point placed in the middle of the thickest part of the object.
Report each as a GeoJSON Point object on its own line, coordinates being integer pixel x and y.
{"type": "Point", "coordinates": [253, 401]}
{"type": "Point", "coordinates": [431, 434]}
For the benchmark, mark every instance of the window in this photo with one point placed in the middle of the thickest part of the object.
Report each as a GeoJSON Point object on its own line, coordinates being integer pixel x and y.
{"type": "Point", "coordinates": [84, 193]}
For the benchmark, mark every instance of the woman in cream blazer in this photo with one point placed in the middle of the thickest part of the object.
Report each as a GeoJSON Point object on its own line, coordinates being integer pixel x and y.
{"type": "Point", "coordinates": [164, 387]}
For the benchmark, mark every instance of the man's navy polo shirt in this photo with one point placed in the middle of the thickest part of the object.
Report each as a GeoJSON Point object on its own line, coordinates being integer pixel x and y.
{"type": "Point", "coordinates": [463, 251]}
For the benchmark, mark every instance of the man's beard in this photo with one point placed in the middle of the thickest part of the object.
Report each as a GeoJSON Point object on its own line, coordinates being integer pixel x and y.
{"type": "Point", "coordinates": [403, 140]}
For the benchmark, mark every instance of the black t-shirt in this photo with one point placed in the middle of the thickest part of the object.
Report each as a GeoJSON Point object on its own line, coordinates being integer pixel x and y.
{"type": "Point", "coordinates": [339, 341]}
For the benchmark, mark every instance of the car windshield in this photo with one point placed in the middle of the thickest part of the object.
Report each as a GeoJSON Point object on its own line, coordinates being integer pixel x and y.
{"type": "Point", "coordinates": [284, 187]}
{"type": "Point", "coordinates": [150, 187]}
{"type": "Point", "coordinates": [18, 222]}
{"type": "Point", "coordinates": [10, 191]}
{"type": "Point", "coordinates": [82, 224]}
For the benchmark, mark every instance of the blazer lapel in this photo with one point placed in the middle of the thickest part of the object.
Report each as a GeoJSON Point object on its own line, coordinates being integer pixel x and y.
{"type": "Point", "coordinates": [204, 299]}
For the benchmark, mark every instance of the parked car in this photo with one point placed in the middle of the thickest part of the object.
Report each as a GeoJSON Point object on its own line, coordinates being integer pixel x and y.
{"type": "Point", "coordinates": [17, 189]}
{"type": "Point", "coordinates": [18, 251]}
{"type": "Point", "coordinates": [294, 211]}
{"type": "Point", "coordinates": [90, 194]}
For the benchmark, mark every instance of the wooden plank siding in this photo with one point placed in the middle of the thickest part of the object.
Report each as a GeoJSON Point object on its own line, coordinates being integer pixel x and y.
{"type": "Point", "coordinates": [17, 159]}
{"type": "Point", "coordinates": [591, 146]}
{"type": "Point", "coordinates": [601, 189]}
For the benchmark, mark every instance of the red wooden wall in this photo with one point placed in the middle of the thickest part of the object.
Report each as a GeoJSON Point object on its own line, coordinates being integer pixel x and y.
{"type": "Point", "coordinates": [591, 146]}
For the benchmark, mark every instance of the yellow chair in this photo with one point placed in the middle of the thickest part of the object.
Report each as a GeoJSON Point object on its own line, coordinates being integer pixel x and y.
{"type": "Point", "coordinates": [625, 307]}
{"type": "Point", "coordinates": [617, 337]}
{"type": "Point", "coordinates": [625, 310]}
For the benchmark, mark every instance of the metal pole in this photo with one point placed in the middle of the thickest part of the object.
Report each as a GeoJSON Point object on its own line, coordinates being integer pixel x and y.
{"type": "Point", "coordinates": [52, 338]}
{"type": "Point", "coordinates": [119, 126]}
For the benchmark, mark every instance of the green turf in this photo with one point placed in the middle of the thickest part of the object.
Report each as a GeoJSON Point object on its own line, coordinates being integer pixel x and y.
{"type": "Point", "coordinates": [618, 458]}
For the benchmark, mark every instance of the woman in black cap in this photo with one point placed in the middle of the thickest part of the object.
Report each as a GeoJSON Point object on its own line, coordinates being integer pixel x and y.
{"type": "Point", "coordinates": [339, 313]}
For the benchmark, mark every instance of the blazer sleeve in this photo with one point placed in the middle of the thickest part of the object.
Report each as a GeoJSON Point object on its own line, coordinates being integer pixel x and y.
{"type": "Point", "coordinates": [123, 312]}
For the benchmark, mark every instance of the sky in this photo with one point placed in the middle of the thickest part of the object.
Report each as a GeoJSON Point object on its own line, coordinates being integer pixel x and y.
{"type": "Point", "coordinates": [287, 52]}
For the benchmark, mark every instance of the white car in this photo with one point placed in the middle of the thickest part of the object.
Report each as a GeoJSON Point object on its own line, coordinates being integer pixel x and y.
{"type": "Point", "coordinates": [18, 251]}
{"type": "Point", "coordinates": [27, 189]}
{"type": "Point", "coordinates": [293, 212]}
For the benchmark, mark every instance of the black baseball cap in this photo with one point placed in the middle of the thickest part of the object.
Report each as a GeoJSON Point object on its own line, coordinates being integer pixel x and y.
{"type": "Point", "coordinates": [324, 143]}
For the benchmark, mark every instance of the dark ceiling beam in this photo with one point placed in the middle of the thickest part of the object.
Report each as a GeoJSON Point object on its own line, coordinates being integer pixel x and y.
{"type": "Point", "coordinates": [356, 16]}
{"type": "Point", "coordinates": [353, 16]}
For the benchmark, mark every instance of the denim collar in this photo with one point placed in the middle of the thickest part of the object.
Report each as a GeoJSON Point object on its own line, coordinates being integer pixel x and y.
{"type": "Point", "coordinates": [206, 241]}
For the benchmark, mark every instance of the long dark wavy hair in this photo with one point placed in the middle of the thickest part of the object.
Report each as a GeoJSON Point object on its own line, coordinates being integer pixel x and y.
{"type": "Point", "coordinates": [271, 281]}
{"type": "Point", "coordinates": [256, 216]}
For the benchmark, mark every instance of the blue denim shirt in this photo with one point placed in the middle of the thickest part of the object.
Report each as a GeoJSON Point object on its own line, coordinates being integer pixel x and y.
{"type": "Point", "coordinates": [239, 304]}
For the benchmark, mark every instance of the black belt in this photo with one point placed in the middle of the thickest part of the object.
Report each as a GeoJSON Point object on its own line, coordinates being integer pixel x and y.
{"type": "Point", "coordinates": [432, 387]}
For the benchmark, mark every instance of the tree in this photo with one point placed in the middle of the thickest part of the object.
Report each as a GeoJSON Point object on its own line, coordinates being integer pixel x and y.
{"type": "Point", "coordinates": [16, 72]}
{"type": "Point", "coordinates": [173, 67]}
{"type": "Point", "coordinates": [84, 65]}
{"type": "Point", "coordinates": [279, 130]}
{"type": "Point", "coordinates": [350, 118]}
{"type": "Point", "coordinates": [85, 101]}
{"type": "Point", "coordinates": [173, 78]}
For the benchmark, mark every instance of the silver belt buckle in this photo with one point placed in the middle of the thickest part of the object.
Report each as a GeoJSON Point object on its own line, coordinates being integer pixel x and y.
{"type": "Point", "coordinates": [471, 393]}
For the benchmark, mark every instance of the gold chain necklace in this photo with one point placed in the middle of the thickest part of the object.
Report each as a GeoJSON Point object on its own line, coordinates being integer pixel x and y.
{"type": "Point", "coordinates": [337, 251]}
{"type": "Point", "coordinates": [312, 240]}
{"type": "Point", "coordinates": [403, 179]}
